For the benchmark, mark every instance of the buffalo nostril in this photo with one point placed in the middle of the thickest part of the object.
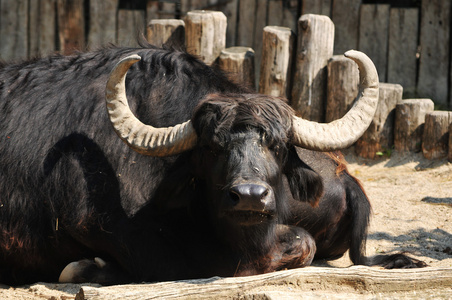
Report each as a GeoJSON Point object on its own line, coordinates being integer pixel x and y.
{"type": "Point", "coordinates": [248, 192]}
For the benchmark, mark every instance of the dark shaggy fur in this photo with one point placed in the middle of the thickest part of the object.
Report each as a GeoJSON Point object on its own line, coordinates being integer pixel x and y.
{"type": "Point", "coordinates": [70, 189]}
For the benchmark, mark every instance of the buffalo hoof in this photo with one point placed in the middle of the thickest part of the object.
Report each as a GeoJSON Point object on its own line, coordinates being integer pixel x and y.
{"type": "Point", "coordinates": [95, 271]}
{"type": "Point", "coordinates": [295, 247]}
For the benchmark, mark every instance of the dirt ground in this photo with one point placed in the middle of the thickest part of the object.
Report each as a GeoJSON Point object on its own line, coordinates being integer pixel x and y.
{"type": "Point", "coordinates": [412, 211]}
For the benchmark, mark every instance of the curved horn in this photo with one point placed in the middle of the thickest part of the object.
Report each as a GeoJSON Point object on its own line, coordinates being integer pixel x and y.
{"type": "Point", "coordinates": [344, 132]}
{"type": "Point", "coordinates": [142, 138]}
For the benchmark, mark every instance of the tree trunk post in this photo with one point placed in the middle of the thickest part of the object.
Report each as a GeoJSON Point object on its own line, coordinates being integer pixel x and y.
{"type": "Point", "coordinates": [436, 134]}
{"type": "Point", "coordinates": [238, 62]}
{"type": "Point", "coordinates": [379, 137]}
{"type": "Point", "coordinates": [314, 49]}
{"type": "Point", "coordinates": [342, 87]}
{"type": "Point", "coordinates": [205, 34]}
{"type": "Point", "coordinates": [409, 124]}
{"type": "Point", "coordinates": [276, 61]}
{"type": "Point", "coordinates": [168, 32]}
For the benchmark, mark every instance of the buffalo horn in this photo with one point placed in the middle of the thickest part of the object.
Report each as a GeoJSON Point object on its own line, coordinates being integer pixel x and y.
{"type": "Point", "coordinates": [344, 132]}
{"type": "Point", "coordinates": [142, 138]}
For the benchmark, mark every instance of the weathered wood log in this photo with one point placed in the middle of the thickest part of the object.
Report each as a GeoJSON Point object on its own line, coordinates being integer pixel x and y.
{"type": "Point", "coordinates": [102, 22]}
{"type": "Point", "coordinates": [346, 21]}
{"type": "Point", "coordinates": [434, 41]}
{"type": "Point", "coordinates": [373, 35]}
{"type": "Point", "coordinates": [13, 29]}
{"type": "Point", "coordinates": [276, 62]}
{"type": "Point", "coordinates": [169, 32]}
{"type": "Point", "coordinates": [238, 62]}
{"type": "Point", "coordinates": [205, 34]}
{"type": "Point", "coordinates": [314, 49]}
{"type": "Point", "coordinates": [436, 134]}
{"type": "Point", "coordinates": [402, 51]}
{"type": "Point", "coordinates": [130, 26]}
{"type": "Point", "coordinates": [322, 7]}
{"type": "Point", "coordinates": [409, 123]}
{"type": "Point", "coordinates": [43, 22]}
{"type": "Point", "coordinates": [342, 87]}
{"type": "Point", "coordinates": [312, 281]}
{"type": "Point", "coordinates": [379, 137]}
{"type": "Point", "coordinates": [71, 25]}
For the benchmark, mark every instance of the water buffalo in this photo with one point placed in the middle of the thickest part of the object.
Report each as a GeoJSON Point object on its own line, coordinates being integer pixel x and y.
{"type": "Point", "coordinates": [213, 179]}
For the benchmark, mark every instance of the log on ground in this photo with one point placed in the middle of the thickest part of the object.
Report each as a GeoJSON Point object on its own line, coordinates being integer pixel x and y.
{"type": "Point", "coordinates": [296, 283]}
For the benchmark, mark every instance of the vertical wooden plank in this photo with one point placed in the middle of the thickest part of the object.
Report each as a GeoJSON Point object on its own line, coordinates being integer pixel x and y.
{"type": "Point", "coordinates": [435, 49]}
{"type": "Point", "coordinates": [130, 26]}
{"type": "Point", "coordinates": [13, 29]}
{"type": "Point", "coordinates": [275, 13]}
{"type": "Point", "coordinates": [345, 15]}
{"type": "Point", "coordinates": [275, 78]}
{"type": "Point", "coordinates": [342, 87]}
{"type": "Point", "coordinates": [318, 7]}
{"type": "Point", "coordinates": [230, 12]}
{"type": "Point", "coordinates": [314, 49]}
{"type": "Point", "coordinates": [71, 25]}
{"type": "Point", "coordinates": [373, 35]}
{"type": "Point", "coordinates": [152, 10]}
{"type": "Point", "coordinates": [261, 22]}
{"type": "Point", "coordinates": [291, 14]}
{"type": "Point", "coordinates": [169, 32]}
{"type": "Point", "coordinates": [205, 34]}
{"type": "Point", "coordinates": [246, 21]}
{"type": "Point", "coordinates": [168, 10]}
{"type": "Point", "coordinates": [402, 61]}
{"type": "Point", "coordinates": [43, 26]}
{"type": "Point", "coordinates": [102, 22]}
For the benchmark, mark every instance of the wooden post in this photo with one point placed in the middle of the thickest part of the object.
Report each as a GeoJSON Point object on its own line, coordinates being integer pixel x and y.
{"type": "Point", "coordinates": [169, 32]}
{"type": "Point", "coordinates": [205, 34]}
{"type": "Point", "coordinates": [276, 15]}
{"type": "Point", "coordinates": [261, 22]}
{"type": "Point", "coordinates": [102, 22]}
{"type": "Point", "coordinates": [71, 25]}
{"type": "Point", "coordinates": [276, 63]}
{"type": "Point", "coordinates": [238, 62]}
{"type": "Point", "coordinates": [436, 134]}
{"type": "Point", "coordinates": [380, 134]}
{"type": "Point", "coordinates": [373, 35]}
{"type": "Point", "coordinates": [245, 24]}
{"type": "Point", "coordinates": [231, 12]}
{"type": "Point", "coordinates": [43, 22]}
{"type": "Point", "coordinates": [13, 29]}
{"type": "Point", "coordinates": [314, 49]}
{"type": "Point", "coordinates": [403, 35]}
{"type": "Point", "coordinates": [450, 143]}
{"type": "Point", "coordinates": [130, 25]}
{"type": "Point", "coordinates": [409, 123]}
{"type": "Point", "coordinates": [318, 7]}
{"type": "Point", "coordinates": [346, 21]}
{"type": "Point", "coordinates": [342, 87]}
{"type": "Point", "coordinates": [434, 41]}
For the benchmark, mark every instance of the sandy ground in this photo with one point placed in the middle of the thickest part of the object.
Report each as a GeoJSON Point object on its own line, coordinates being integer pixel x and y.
{"type": "Point", "coordinates": [412, 211]}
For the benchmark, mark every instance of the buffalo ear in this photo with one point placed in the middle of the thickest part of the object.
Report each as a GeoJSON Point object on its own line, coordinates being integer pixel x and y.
{"type": "Point", "coordinates": [305, 184]}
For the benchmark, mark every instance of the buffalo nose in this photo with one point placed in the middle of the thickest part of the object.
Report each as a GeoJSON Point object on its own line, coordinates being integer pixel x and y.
{"type": "Point", "coordinates": [249, 193]}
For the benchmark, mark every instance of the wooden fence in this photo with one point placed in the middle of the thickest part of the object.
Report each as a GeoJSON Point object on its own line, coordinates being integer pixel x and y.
{"type": "Point", "coordinates": [298, 64]}
{"type": "Point", "coordinates": [409, 40]}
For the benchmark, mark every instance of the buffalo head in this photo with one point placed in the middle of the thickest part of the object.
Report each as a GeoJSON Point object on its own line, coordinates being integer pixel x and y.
{"type": "Point", "coordinates": [244, 148]}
